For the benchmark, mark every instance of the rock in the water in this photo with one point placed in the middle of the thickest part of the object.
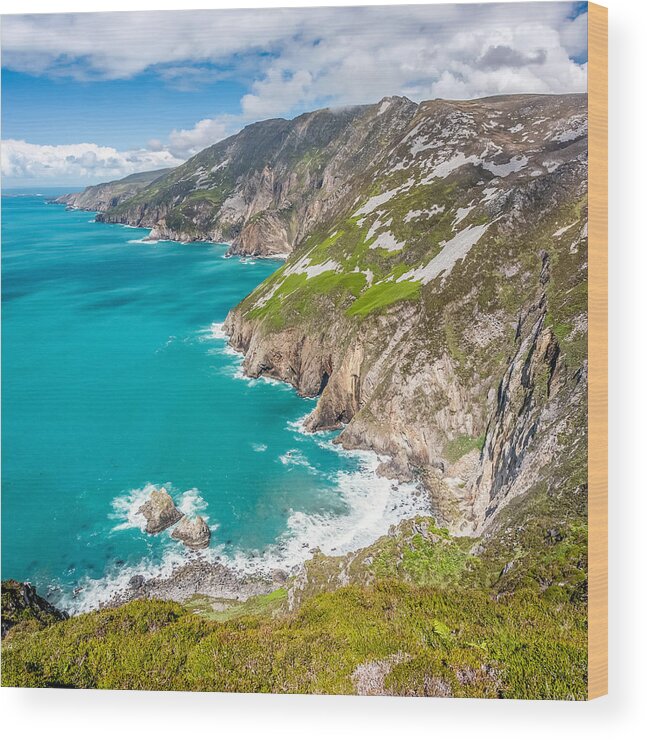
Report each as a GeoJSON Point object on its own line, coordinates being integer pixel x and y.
{"type": "Point", "coordinates": [160, 511]}
{"type": "Point", "coordinates": [136, 582]}
{"type": "Point", "coordinates": [194, 533]}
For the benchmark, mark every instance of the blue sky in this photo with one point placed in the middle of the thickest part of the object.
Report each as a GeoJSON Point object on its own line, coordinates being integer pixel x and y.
{"type": "Point", "coordinates": [119, 113]}
{"type": "Point", "coordinates": [95, 96]}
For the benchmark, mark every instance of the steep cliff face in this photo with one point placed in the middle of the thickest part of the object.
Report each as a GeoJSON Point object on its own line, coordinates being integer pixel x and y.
{"type": "Point", "coordinates": [434, 299]}
{"type": "Point", "coordinates": [438, 310]}
{"type": "Point", "coordinates": [266, 188]}
{"type": "Point", "coordinates": [110, 194]}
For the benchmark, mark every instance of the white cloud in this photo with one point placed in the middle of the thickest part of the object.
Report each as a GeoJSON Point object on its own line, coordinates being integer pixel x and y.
{"type": "Point", "coordinates": [348, 56]}
{"type": "Point", "coordinates": [302, 50]}
{"type": "Point", "coordinates": [77, 163]}
{"type": "Point", "coordinates": [186, 142]}
{"type": "Point", "coordinates": [574, 35]}
{"type": "Point", "coordinates": [425, 52]}
{"type": "Point", "coordinates": [120, 45]}
{"type": "Point", "coordinates": [277, 92]}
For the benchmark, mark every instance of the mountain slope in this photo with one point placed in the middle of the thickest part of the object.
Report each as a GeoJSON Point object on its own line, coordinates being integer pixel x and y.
{"type": "Point", "coordinates": [439, 309]}
{"type": "Point", "coordinates": [270, 185]}
{"type": "Point", "coordinates": [109, 194]}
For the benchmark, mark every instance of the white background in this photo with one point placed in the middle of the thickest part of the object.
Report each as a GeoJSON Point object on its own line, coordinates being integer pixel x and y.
{"type": "Point", "coordinates": [622, 714]}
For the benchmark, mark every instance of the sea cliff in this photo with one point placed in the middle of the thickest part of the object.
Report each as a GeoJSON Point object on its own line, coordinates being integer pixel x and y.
{"type": "Point", "coordinates": [440, 316]}
{"type": "Point", "coordinates": [434, 299]}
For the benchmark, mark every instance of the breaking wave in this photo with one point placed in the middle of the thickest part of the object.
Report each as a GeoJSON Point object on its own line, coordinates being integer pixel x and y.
{"type": "Point", "coordinates": [363, 507]}
{"type": "Point", "coordinates": [125, 508]}
{"type": "Point", "coordinates": [371, 504]}
{"type": "Point", "coordinates": [368, 506]}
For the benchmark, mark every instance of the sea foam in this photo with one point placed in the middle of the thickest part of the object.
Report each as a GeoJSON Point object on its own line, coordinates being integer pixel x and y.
{"type": "Point", "coordinates": [125, 508]}
{"type": "Point", "coordinates": [372, 505]}
{"type": "Point", "coordinates": [367, 505]}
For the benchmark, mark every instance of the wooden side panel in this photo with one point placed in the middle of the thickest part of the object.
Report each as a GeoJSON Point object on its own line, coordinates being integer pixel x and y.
{"type": "Point", "coordinates": [598, 378]}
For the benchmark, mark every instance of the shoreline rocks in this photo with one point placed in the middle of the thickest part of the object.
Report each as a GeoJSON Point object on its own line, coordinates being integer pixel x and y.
{"type": "Point", "coordinates": [160, 511]}
{"type": "Point", "coordinates": [193, 533]}
{"type": "Point", "coordinates": [214, 580]}
{"type": "Point", "coordinates": [136, 582]}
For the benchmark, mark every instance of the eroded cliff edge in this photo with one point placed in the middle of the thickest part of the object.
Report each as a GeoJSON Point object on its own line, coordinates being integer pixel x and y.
{"type": "Point", "coordinates": [440, 313]}
{"type": "Point", "coordinates": [266, 188]}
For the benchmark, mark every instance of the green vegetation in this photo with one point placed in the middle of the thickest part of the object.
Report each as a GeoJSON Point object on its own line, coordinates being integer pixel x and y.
{"type": "Point", "coordinates": [178, 222]}
{"type": "Point", "coordinates": [348, 244]}
{"type": "Point", "coordinates": [521, 646]}
{"type": "Point", "coordinates": [456, 448]}
{"type": "Point", "coordinates": [425, 562]}
{"type": "Point", "coordinates": [384, 294]}
{"type": "Point", "coordinates": [567, 290]}
{"type": "Point", "coordinates": [223, 610]}
{"type": "Point", "coordinates": [297, 296]}
{"type": "Point", "coordinates": [23, 610]}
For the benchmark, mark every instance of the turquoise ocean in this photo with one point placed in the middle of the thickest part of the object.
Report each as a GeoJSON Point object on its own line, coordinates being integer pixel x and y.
{"type": "Point", "coordinates": [116, 377]}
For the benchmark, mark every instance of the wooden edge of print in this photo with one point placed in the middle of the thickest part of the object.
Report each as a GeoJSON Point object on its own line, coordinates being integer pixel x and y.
{"type": "Point", "coordinates": [597, 352]}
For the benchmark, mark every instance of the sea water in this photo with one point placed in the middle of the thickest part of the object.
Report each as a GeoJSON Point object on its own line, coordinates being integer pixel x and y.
{"type": "Point", "coordinates": [117, 378]}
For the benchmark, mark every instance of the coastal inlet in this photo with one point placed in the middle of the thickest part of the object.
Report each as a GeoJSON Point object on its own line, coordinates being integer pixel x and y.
{"type": "Point", "coordinates": [121, 383]}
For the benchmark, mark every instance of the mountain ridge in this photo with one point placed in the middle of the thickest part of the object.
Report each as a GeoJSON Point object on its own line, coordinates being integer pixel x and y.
{"type": "Point", "coordinates": [108, 194]}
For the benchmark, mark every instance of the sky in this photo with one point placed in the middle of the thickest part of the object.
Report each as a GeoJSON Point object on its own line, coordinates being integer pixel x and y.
{"type": "Point", "coordinates": [90, 97]}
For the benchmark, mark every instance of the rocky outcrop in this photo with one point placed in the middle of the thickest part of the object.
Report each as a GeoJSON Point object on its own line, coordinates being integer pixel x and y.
{"type": "Point", "coordinates": [23, 608]}
{"type": "Point", "coordinates": [159, 511]}
{"type": "Point", "coordinates": [211, 579]}
{"type": "Point", "coordinates": [194, 533]}
{"type": "Point", "coordinates": [368, 678]}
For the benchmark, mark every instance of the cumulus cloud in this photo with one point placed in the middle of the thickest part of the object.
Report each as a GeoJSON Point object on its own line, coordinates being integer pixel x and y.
{"type": "Point", "coordinates": [341, 56]}
{"type": "Point", "coordinates": [186, 142]}
{"type": "Point", "coordinates": [497, 57]}
{"type": "Point", "coordinates": [453, 51]}
{"type": "Point", "coordinates": [277, 92]}
{"type": "Point", "coordinates": [77, 162]}
{"type": "Point", "coordinates": [297, 51]}
{"type": "Point", "coordinates": [121, 45]}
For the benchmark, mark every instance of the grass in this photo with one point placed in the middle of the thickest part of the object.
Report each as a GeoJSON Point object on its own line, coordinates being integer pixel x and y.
{"type": "Point", "coordinates": [521, 647]}
{"type": "Point", "coordinates": [297, 296]}
{"type": "Point", "coordinates": [424, 562]}
{"type": "Point", "coordinates": [382, 295]}
{"type": "Point", "coordinates": [223, 610]}
{"type": "Point", "coordinates": [461, 445]}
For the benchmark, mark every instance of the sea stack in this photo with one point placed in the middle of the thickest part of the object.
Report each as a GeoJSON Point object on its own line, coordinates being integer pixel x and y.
{"type": "Point", "coordinates": [194, 533]}
{"type": "Point", "coordinates": [160, 511]}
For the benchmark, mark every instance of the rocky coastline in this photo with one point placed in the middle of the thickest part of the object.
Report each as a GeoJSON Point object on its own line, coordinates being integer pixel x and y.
{"type": "Point", "coordinates": [199, 576]}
